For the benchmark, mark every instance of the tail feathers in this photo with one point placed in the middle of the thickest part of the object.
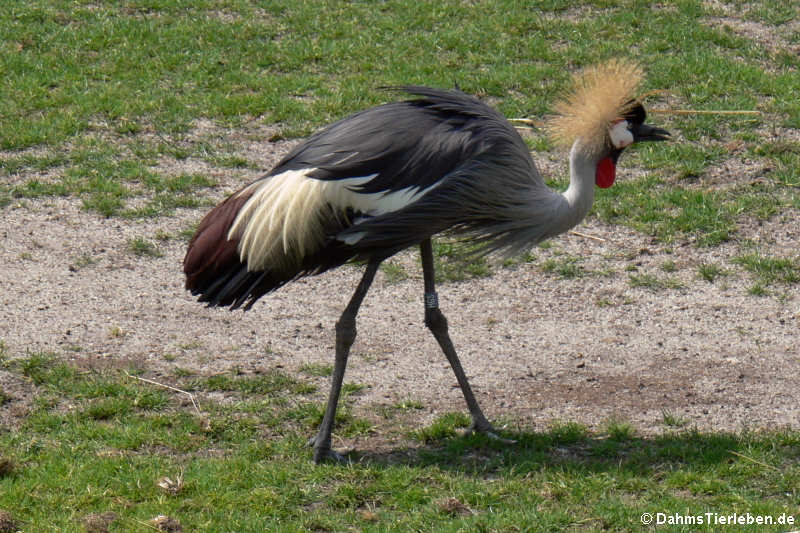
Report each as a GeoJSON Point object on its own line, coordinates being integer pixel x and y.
{"type": "Point", "coordinates": [210, 253]}
{"type": "Point", "coordinates": [216, 273]}
{"type": "Point", "coordinates": [227, 289]}
{"type": "Point", "coordinates": [238, 287]}
{"type": "Point", "coordinates": [213, 268]}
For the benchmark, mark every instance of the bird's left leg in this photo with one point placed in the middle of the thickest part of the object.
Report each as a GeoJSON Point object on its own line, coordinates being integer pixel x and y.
{"type": "Point", "coordinates": [345, 335]}
{"type": "Point", "coordinates": [437, 323]}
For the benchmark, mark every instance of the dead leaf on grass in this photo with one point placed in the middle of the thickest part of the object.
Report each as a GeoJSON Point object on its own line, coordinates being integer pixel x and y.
{"type": "Point", "coordinates": [171, 486]}
{"type": "Point", "coordinates": [99, 522]}
{"type": "Point", "coordinates": [165, 523]}
{"type": "Point", "coordinates": [6, 467]}
{"type": "Point", "coordinates": [368, 515]}
{"type": "Point", "coordinates": [453, 506]}
{"type": "Point", "coordinates": [7, 522]}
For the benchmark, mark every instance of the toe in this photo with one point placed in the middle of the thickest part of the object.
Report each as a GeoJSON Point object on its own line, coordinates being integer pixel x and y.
{"type": "Point", "coordinates": [328, 455]}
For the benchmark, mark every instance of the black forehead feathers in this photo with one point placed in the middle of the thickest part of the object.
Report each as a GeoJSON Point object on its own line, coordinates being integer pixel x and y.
{"type": "Point", "coordinates": [636, 113]}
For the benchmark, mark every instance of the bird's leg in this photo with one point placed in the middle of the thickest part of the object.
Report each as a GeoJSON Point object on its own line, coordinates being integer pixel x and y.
{"type": "Point", "coordinates": [437, 323]}
{"type": "Point", "coordinates": [345, 335]}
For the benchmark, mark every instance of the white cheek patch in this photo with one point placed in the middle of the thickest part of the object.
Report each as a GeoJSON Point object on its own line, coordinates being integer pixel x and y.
{"type": "Point", "coordinates": [620, 135]}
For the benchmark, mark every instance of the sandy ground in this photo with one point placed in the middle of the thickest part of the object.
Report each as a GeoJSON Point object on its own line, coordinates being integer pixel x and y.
{"type": "Point", "coordinates": [537, 348]}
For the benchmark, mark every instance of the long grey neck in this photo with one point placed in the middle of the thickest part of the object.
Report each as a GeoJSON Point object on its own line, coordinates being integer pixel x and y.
{"type": "Point", "coordinates": [577, 200]}
{"type": "Point", "coordinates": [582, 176]}
{"type": "Point", "coordinates": [531, 212]}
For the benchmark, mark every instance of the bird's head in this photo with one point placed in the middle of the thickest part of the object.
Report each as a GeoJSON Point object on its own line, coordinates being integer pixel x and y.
{"type": "Point", "coordinates": [601, 117]}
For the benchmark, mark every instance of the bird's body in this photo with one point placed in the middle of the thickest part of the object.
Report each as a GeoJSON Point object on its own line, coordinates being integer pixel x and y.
{"type": "Point", "coordinates": [369, 186]}
{"type": "Point", "coordinates": [392, 177]}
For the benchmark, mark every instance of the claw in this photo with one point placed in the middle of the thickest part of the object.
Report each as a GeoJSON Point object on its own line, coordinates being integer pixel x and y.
{"type": "Point", "coordinates": [485, 427]}
{"type": "Point", "coordinates": [324, 453]}
{"type": "Point", "coordinates": [327, 454]}
{"type": "Point", "coordinates": [495, 437]}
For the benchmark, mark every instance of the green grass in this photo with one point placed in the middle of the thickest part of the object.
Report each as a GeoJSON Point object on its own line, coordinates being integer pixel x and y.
{"type": "Point", "coordinates": [672, 420]}
{"type": "Point", "coordinates": [446, 426]}
{"type": "Point", "coordinates": [564, 267]}
{"type": "Point", "coordinates": [317, 369]}
{"type": "Point", "coordinates": [100, 441]}
{"type": "Point", "coordinates": [669, 266]}
{"type": "Point", "coordinates": [711, 272]}
{"type": "Point", "coordinates": [104, 101]}
{"type": "Point", "coordinates": [143, 248]}
{"type": "Point", "coordinates": [654, 283]}
{"type": "Point", "coordinates": [393, 272]}
{"type": "Point", "coordinates": [671, 212]}
{"type": "Point", "coordinates": [769, 270]}
{"type": "Point", "coordinates": [453, 261]}
{"type": "Point", "coordinates": [105, 178]}
{"type": "Point", "coordinates": [92, 111]}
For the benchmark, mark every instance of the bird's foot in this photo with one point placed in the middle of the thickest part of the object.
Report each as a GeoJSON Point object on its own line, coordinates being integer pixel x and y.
{"type": "Point", "coordinates": [484, 427]}
{"type": "Point", "coordinates": [323, 453]}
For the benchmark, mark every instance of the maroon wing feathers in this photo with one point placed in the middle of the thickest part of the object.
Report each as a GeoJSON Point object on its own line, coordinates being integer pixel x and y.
{"type": "Point", "coordinates": [211, 254]}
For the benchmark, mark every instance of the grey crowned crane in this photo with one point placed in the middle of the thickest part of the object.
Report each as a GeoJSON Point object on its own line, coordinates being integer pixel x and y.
{"type": "Point", "coordinates": [393, 176]}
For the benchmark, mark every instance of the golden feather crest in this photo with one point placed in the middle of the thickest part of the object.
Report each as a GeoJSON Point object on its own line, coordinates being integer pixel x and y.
{"type": "Point", "coordinates": [600, 95]}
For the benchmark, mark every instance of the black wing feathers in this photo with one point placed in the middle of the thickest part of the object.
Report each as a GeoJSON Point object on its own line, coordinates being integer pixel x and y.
{"type": "Point", "coordinates": [441, 136]}
{"type": "Point", "coordinates": [410, 143]}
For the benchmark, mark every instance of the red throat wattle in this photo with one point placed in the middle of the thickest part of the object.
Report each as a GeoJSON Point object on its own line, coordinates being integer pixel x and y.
{"type": "Point", "coordinates": [606, 172]}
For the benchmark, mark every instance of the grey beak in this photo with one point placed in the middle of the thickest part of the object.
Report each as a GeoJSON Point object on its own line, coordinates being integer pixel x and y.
{"type": "Point", "coordinates": [645, 132]}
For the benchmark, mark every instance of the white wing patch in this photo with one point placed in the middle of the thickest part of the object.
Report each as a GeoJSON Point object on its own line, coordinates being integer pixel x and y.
{"type": "Point", "coordinates": [283, 220]}
{"type": "Point", "coordinates": [375, 203]}
{"type": "Point", "coordinates": [280, 222]}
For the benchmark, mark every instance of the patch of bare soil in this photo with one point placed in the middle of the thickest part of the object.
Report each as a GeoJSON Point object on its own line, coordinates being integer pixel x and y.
{"type": "Point", "coordinates": [536, 347]}
{"type": "Point", "coordinates": [774, 39]}
{"type": "Point", "coordinates": [16, 398]}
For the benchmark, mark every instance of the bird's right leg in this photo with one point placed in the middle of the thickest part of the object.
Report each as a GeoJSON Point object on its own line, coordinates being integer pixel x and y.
{"type": "Point", "coordinates": [437, 323]}
{"type": "Point", "coordinates": [345, 335]}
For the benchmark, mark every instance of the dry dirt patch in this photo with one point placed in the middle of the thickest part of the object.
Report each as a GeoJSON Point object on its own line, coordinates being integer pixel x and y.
{"type": "Point", "coordinates": [536, 347]}
{"type": "Point", "coordinates": [775, 39]}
